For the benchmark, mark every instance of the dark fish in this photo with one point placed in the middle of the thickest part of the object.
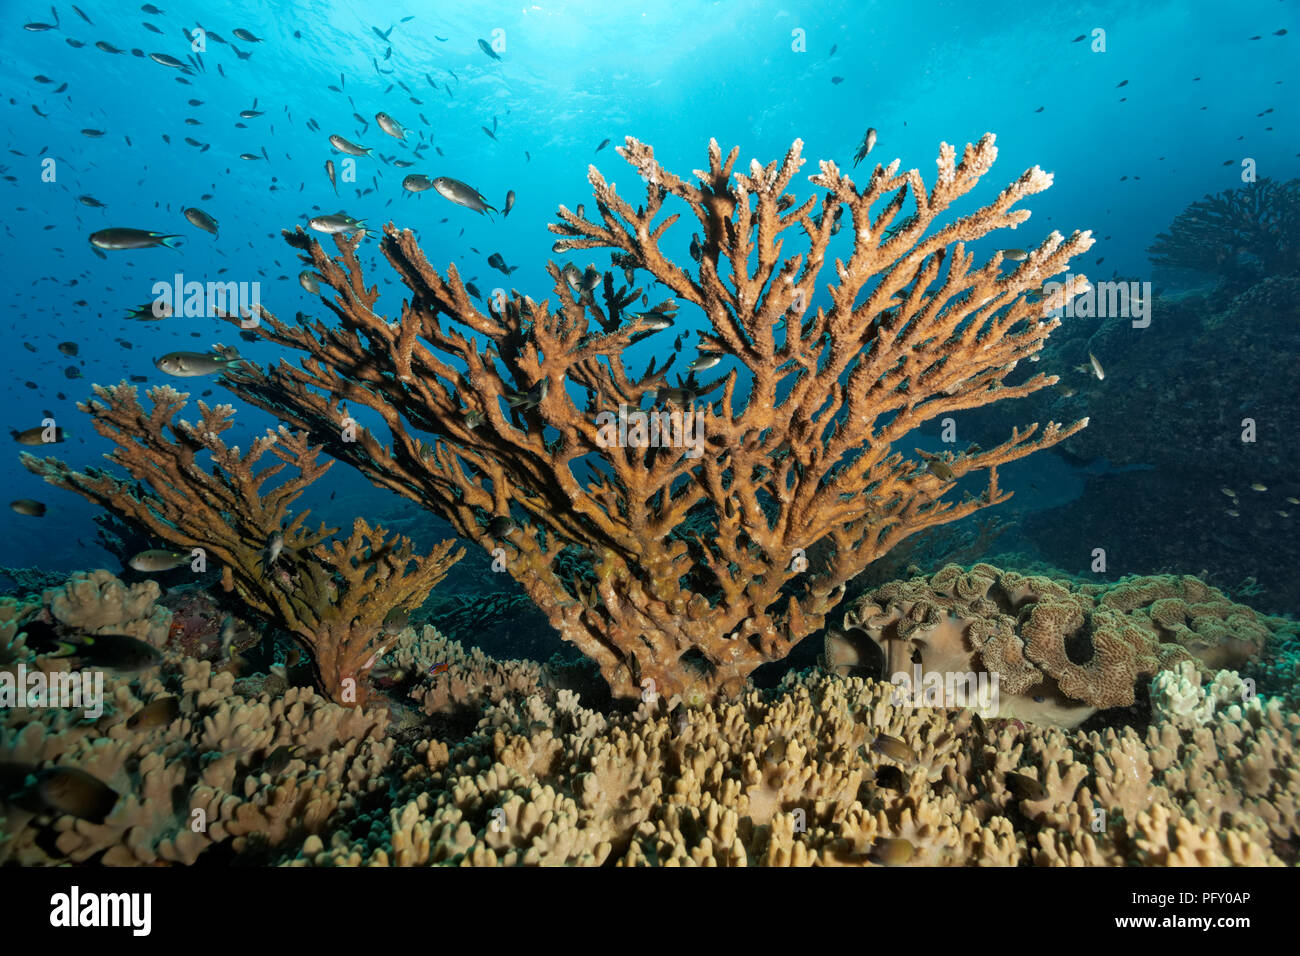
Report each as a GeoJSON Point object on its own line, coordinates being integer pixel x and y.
{"type": "Point", "coordinates": [1025, 788]}
{"type": "Point", "coordinates": [124, 238]}
{"type": "Point", "coordinates": [68, 348]}
{"type": "Point", "coordinates": [199, 219]}
{"type": "Point", "coordinates": [603, 144]}
{"type": "Point", "coordinates": [396, 619]}
{"type": "Point", "coordinates": [106, 47]}
{"type": "Point", "coordinates": [165, 60]}
{"type": "Point", "coordinates": [501, 526]}
{"type": "Point", "coordinates": [74, 792]}
{"type": "Point", "coordinates": [35, 436]}
{"type": "Point", "coordinates": [679, 719]}
{"type": "Point", "coordinates": [278, 760]}
{"type": "Point", "coordinates": [510, 203]}
{"type": "Point", "coordinates": [892, 852]}
{"type": "Point", "coordinates": [246, 36]}
{"type": "Point", "coordinates": [159, 712]}
{"type": "Point", "coordinates": [487, 48]}
{"type": "Point", "coordinates": [29, 507]}
{"type": "Point", "coordinates": [836, 80]}
{"type": "Point", "coordinates": [114, 651]}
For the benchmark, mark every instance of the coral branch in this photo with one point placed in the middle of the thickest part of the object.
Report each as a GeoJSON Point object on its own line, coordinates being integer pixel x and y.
{"type": "Point", "coordinates": [680, 564]}
{"type": "Point", "coordinates": [331, 593]}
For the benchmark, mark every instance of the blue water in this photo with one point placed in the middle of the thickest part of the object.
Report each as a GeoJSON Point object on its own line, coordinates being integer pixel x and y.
{"type": "Point", "coordinates": [572, 74]}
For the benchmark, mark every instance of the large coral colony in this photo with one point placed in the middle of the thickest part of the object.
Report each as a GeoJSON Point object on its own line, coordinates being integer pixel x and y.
{"type": "Point", "coordinates": [675, 570]}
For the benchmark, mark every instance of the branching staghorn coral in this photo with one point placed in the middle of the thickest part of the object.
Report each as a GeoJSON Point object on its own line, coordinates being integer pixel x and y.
{"type": "Point", "coordinates": [331, 593]}
{"type": "Point", "coordinates": [798, 445]}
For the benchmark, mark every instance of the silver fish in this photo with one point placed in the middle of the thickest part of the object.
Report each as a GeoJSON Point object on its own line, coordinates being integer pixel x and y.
{"type": "Point", "coordinates": [338, 222]}
{"type": "Point", "coordinates": [462, 194]}
{"type": "Point", "coordinates": [171, 61]}
{"type": "Point", "coordinates": [1096, 367]}
{"type": "Point", "coordinates": [191, 364]}
{"type": "Point", "coordinates": [510, 203]}
{"type": "Point", "coordinates": [417, 183]}
{"type": "Point", "coordinates": [344, 146]}
{"type": "Point", "coordinates": [274, 548]}
{"type": "Point", "coordinates": [159, 560]}
{"type": "Point", "coordinates": [868, 144]}
{"type": "Point", "coordinates": [309, 281]}
{"type": "Point", "coordinates": [227, 636]}
{"type": "Point", "coordinates": [390, 126]}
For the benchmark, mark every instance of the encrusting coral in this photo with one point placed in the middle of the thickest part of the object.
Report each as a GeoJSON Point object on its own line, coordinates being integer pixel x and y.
{"type": "Point", "coordinates": [691, 554]}
{"type": "Point", "coordinates": [331, 593]}
{"type": "Point", "coordinates": [1061, 652]}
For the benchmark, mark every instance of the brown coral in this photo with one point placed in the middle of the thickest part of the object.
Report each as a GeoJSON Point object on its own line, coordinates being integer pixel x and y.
{"type": "Point", "coordinates": [332, 593]}
{"type": "Point", "coordinates": [692, 557]}
{"type": "Point", "coordinates": [194, 782]}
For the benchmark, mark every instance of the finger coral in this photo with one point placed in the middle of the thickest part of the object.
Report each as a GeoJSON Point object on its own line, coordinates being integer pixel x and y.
{"type": "Point", "coordinates": [794, 777]}
{"type": "Point", "coordinates": [331, 593]}
{"type": "Point", "coordinates": [671, 546]}
{"type": "Point", "coordinates": [185, 785]}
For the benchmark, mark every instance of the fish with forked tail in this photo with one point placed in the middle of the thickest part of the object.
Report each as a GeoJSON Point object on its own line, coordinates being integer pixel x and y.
{"type": "Point", "coordinates": [462, 194]}
{"type": "Point", "coordinates": [190, 364]}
